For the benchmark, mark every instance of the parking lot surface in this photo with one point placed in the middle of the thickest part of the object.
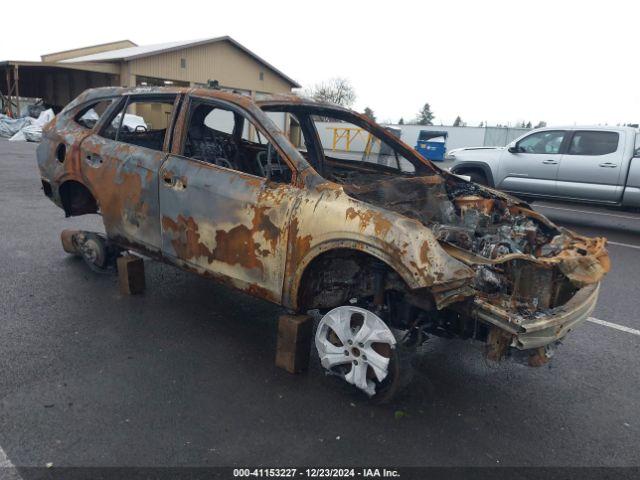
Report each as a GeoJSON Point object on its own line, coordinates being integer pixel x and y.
{"type": "Point", "coordinates": [185, 375]}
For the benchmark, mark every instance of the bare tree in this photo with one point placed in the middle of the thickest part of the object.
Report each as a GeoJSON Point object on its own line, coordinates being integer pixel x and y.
{"type": "Point", "coordinates": [541, 124]}
{"type": "Point", "coordinates": [335, 90]}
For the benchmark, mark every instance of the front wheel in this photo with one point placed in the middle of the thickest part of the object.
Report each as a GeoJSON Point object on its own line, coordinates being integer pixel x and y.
{"type": "Point", "coordinates": [356, 345]}
{"type": "Point", "coordinates": [477, 177]}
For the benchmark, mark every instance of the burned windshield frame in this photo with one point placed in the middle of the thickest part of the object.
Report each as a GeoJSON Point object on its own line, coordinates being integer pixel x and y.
{"type": "Point", "coordinates": [305, 113]}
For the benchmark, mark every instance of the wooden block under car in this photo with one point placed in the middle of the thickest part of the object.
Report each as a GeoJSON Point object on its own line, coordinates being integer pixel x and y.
{"type": "Point", "coordinates": [294, 342]}
{"type": "Point", "coordinates": [131, 274]}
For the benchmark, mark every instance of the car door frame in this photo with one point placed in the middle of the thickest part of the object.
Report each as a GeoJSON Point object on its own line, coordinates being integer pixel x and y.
{"type": "Point", "coordinates": [248, 211]}
{"type": "Point", "coordinates": [534, 186]}
{"type": "Point", "coordinates": [124, 182]}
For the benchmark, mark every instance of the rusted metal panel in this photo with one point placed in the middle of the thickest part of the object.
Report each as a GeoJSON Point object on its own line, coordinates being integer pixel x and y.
{"type": "Point", "coordinates": [226, 224]}
{"type": "Point", "coordinates": [124, 181]}
{"type": "Point", "coordinates": [327, 218]}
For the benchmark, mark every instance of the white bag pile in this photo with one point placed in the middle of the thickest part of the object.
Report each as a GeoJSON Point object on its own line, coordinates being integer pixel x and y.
{"type": "Point", "coordinates": [25, 129]}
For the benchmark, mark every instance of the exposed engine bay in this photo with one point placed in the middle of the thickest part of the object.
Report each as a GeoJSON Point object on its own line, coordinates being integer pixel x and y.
{"type": "Point", "coordinates": [523, 262]}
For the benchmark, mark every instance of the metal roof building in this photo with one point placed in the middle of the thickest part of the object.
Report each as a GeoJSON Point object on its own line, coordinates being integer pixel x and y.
{"type": "Point", "coordinates": [61, 76]}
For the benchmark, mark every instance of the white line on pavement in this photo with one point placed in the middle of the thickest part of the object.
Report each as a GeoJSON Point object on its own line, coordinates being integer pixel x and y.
{"type": "Point", "coordinates": [588, 212]}
{"type": "Point", "coordinates": [628, 245]}
{"type": "Point", "coordinates": [622, 328]}
{"type": "Point", "coordinates": [7, 469]}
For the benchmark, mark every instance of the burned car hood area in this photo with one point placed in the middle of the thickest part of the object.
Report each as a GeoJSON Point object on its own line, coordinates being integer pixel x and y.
{"type": "Point", "coordinates": [522, 261]}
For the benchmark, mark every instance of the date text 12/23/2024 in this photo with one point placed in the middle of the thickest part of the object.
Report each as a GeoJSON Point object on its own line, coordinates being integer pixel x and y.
{"type": "Point", "coordinates": [316, 473]}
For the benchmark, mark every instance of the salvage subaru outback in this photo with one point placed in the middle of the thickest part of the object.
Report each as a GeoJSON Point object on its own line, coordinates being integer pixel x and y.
{"type": "Point", "coordinates": [315, 207]}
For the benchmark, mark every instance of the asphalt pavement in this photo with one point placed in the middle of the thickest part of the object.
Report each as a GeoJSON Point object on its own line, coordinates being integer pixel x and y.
{"type": "Point", "coordinates": [184, 375]}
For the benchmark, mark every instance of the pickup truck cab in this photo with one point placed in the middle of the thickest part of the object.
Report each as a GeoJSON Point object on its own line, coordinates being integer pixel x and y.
{"type": "Point", "coordinates": [584, 164]}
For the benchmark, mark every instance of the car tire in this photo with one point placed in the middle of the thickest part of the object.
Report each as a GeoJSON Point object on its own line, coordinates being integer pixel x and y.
{"type": "Point", "coordinates": [477, 177]}
{"type": "Point", "coordinates": [401, 374]}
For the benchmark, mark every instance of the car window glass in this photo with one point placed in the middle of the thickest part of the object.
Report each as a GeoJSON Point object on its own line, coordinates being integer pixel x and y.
{"type": "Point", "coordinates": [542, 142]}
{"type": "Point", "coordinates": [593, 143]}
{"type": "Point", "coordinates": [91, 114]}
{"type": "Point", "coordinates": [144, 123]}
{"type": "Point", "coordinates": [222, 137]}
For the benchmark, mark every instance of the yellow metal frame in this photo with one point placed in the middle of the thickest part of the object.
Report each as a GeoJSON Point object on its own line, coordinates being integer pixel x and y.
{"type": "Point", "coordinates": [345, 132]}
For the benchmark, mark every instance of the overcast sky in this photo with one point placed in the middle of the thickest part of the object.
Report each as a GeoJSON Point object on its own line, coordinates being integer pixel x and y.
{"type": "Point", "coordinates": [498, 61]}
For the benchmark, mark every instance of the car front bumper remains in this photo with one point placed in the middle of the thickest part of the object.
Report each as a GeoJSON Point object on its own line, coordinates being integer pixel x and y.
{"type": "Point", "coordinates": [545, 327]}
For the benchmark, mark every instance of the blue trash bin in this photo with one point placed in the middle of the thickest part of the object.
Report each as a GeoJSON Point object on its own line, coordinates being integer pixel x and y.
{"type": "Point", "coordinates": [432, 145]}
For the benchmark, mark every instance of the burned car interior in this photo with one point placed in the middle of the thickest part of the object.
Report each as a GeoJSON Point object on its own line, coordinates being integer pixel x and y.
{"type": "Point", "coordinates": [379, 158]}
{"type": "Point", "coordinates": [223, 137]}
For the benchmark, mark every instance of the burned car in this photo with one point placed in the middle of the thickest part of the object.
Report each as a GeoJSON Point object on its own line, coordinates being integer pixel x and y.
{"type": "Point", "coordinates": [326, 212]}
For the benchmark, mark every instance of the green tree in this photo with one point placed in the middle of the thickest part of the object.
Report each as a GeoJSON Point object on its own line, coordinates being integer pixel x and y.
{"type": "Point", "coordinates": [369, 113]}
{"type": "Point", "coordinates": [528, 125]}
{"type": "Point", "coordinates": [425, 116]}
{"type": "Point", "coordinates": [458, 122]}
{"type": "Point", "coordinates": [401, 121]}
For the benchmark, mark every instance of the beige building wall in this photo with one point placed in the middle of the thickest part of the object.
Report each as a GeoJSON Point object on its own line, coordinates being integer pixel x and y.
{"type": "Point", "coordinates": [156, 115]}
{"type": "Point", "coordinates": [127, 79]}
{"type": "Point", "coordinates": [81, 52]}
{"type": "Point", "coordinates": [220, 61]}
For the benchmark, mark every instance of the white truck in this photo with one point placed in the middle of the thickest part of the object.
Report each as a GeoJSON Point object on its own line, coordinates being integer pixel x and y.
{"type": "Point", "coordinates": [583, 164]}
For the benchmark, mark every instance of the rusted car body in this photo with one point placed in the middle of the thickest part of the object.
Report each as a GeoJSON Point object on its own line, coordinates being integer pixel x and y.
{"type": "Point", "coordinates": [425, 249]}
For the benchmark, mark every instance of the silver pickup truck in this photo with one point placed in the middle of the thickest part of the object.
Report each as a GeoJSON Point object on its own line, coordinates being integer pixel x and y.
{"type": "Point", "coordinates": [584, 164]}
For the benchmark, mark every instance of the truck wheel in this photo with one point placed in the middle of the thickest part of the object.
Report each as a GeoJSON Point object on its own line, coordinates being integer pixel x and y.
{"type": "Point", "coordinates": [477, 177]}
{"type": "Point", "coordinates": [356, 345]}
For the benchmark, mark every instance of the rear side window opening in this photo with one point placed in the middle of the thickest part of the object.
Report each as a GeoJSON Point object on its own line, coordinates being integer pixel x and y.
{"type": "Point", "coordinates": [91, 114]}
{"type": "Point", "coordinates": [141, 121]}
